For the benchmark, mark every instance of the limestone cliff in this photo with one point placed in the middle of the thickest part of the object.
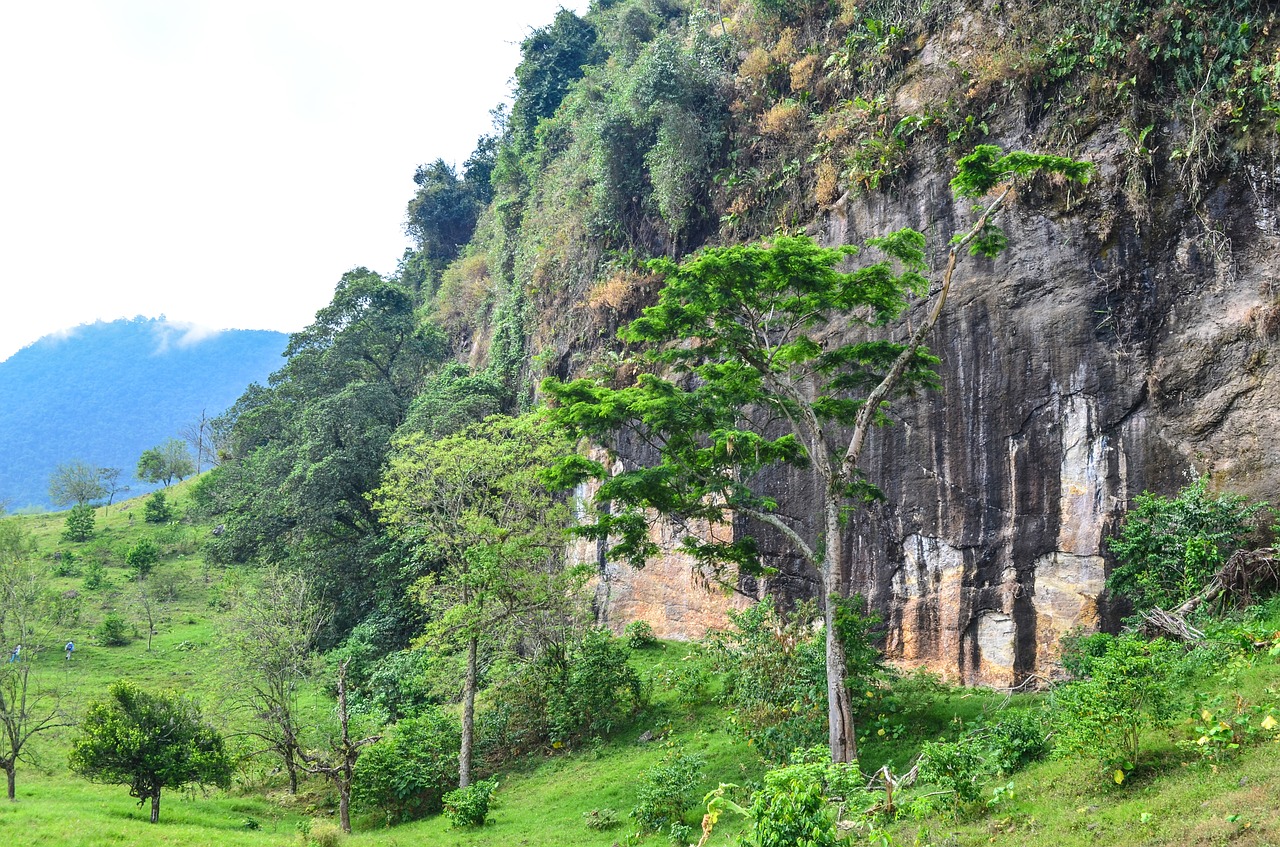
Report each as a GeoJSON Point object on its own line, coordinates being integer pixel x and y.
{"type": "Point", "coordinates": [1125, 342]}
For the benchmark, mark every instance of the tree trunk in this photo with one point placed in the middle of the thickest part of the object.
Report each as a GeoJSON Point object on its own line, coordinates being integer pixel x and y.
{"type": "Point", "coordinates": [468, 715]}
{"type": "Point", "coordinates": [292, 767]}
{"type": "Point", "coordinates": [155, 807]}
{"type": "Point", "coordinates": [344, 805]}
{"type": "Point", "coordinates": [842, 734]}
{"type": "Point", "coordinates": [11, 773]}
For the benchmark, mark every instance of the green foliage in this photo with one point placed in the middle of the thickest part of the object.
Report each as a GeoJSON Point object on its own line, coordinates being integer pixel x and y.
{"type": "Point", "coordinates": [1168, 549]}
{"type": "Point", "coordinates": [639, 635]}
{"type": "Point", "coordinates": [666, 791]}
{"type": "Point", "coordinates": [551, 59]}
{"type": "Point", "coordinates": [112, 630]}
{"type": "Point", "coordinates": [1130, 689]}
{"type": "Point", "coordinates": [95, 576]}
{"type": "Point", "coordinates": [593, 689]}
{"type": "Point", "coordinates": [165, 463]}
{"type": "Point", "coordinates": [955, 766]}
{"type": "Point", "coordinates": [469, 807]}
{"type": "Point", "coordinates": [602, 820]}
{"type": "Point", "coordinates": [79, 523]}
{"type": "Point", "coordinates": [142, 556]}
{"type": "Point", "coordinates": [407, 773]}
{"type": "Point", "coordinates": [988, 166]}
{"type": "Point", "coordinates": [148, 742]}
{"type": "Point", "coordinates": [776, 680]}
{"type": "Point", "coordinates": [1079, 650]}
{"type": "Point", "coordinates": [791, 808]}
{"type": "Point", "coordinates": [156, 508]}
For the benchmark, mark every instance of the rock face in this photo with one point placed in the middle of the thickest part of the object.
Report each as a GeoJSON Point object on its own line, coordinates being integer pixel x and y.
{"type": "Point", "coordinates": [1104, 354]}
{"type": "Point", "coordinates": [1098, 357]}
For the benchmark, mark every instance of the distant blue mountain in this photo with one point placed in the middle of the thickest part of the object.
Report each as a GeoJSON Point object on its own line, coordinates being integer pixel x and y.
{"type": "Point", "coordinates": [104, 392]}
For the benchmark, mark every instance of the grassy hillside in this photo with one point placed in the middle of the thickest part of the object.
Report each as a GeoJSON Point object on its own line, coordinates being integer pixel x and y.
{"type": "Point", "coordinates": [1175, 797]}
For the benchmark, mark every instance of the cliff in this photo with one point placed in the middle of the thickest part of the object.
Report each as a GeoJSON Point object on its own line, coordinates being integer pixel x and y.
{"type": "Point", "coordinates": [1124, 342]}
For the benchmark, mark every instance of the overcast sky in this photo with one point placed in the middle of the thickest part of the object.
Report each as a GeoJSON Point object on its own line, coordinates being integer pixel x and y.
{"type": "Point", "coordinates": [222, 162]}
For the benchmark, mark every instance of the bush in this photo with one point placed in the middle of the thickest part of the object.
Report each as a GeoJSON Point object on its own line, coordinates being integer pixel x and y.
{"type": "Point", "coordinates": [113, 631]}
{"type": "Point", "coordinates": [66, 564]}
{"type": "Point", "coordinates": [639, 635]}
{"type": "Point", "coordinates": [955, 766]}
{"type": "Point", "coordinates": [602, 820]}
{"type": "Point", "coordinates": [1168, 550]}
{"type": "Point", "coordinates": [791, 808]}
{"type": "Point", "coordinates": [407, 774]}
{"type": "Point", "coordinates": [95, 577]}
{"type": "Point", "coordinates": [157, 509]}
{"type": "Point", "coordinates": [668, 790]}
{"type": "Point", "coordinates": [776, 679]}
{"type": "Point", "coordinates": [1015, 739]}
{"type": "Point", "coordinates": [594, 690]}
{"type": "Point", "coordinates": [142, 556]}
{"type": "Point", "coordinates": [79, 524]}
{"type": "Point", "coordinates": [324, 834]}
{"type": "Point", "coordinates": [1130, 688]}
{"type": "Point", "coordinates": [1079, 651]}
{"type": "Point", "coordinates": [470, 806]}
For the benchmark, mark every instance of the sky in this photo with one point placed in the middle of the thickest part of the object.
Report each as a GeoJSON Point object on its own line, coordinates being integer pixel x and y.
{"type": "Point", "coordinates": [222, 163]}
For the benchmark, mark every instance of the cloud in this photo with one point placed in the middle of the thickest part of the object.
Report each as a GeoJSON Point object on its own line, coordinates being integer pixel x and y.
{"type": "Point", "coordinates": [181, 335]}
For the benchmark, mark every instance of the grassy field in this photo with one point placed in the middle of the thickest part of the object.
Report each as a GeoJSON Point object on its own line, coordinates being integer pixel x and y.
{"type": "Point", "coordinates": [545, 801]}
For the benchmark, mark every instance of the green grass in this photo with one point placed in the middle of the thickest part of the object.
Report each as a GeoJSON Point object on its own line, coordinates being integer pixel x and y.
{"type": "Point", "coordinates": [544, 799]}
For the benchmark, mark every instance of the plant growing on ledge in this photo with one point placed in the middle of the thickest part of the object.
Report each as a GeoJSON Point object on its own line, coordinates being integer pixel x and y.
{"type": "Point", "coordinates": [741, 369]}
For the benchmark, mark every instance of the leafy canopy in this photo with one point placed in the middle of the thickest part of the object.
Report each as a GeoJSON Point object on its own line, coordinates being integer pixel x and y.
{"type": "Point", "coordinates": [736, 336]}
{"type": "Point", "coordinates": [148, 742]}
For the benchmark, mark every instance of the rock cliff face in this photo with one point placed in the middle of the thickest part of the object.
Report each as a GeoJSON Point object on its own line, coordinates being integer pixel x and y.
{"type": "Point", "coordinates": [1126, 341]}
{"type": "Point", "coordinates": [1101, 356]}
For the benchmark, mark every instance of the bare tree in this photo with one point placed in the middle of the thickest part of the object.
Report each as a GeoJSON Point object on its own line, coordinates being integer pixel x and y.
{"type": "Point", "coordinates": [26, 708]}
{"type": "Point", "coordinates": [200, 436]}
{"type": "Point", "coordinates": [338, 763]}
{"type": "Point", "coordinates": [271, 639]}
{"type": "Point", "coordinates": [109, 479]}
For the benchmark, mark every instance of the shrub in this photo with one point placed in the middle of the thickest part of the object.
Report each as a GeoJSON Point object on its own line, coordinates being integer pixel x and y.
{"type": "Point", "coordinates": [66, 564]}
{"type": "Point", "coordinates": [113, 631]}
{"type": "Point", "coordinates": [776, 679]}
{"type": "Point", "coordinates": [157, 509]}
{"type": "Point", "coordinates": [142, 556]}
{"type": "Point", "coordinates": [1130, 688]}
{"type": "Point", "coordinates": [639, 635]}
{"type": "Point", "coordinates": [595, 690]}
{"type": "Point", "coordinates": [79, 523]}
{"type": "Point", "coordinates": [1015, 739]}
{"type": "Point", "coordinates": [1169, 549]}
{"type": "Point", "coordinates": [1079, 651]}
{"type": "Point", "coordinates": [955, 766]}
{"type": "Point", "coordinates": [791, 808]}
{"type": "Point", "coordinates": [667, 791]}
{"type": "Point", "coordinates": [407, 774]}
{"type": "Point", "coordinates": [470, 806]}
{"type": "Point", "coordinates": [95, 577]}
{"type": "Point", "coordinates": [324, 834]}
{"type": "Point", "coordinates": [602, 820]}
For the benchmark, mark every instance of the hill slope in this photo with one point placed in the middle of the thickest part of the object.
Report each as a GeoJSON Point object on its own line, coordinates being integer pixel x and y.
{"type": "Point", "coordinates": [107, 391]}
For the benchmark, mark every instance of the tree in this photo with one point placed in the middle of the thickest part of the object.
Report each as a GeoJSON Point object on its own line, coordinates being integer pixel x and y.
{"type": "Point", "coordinates": [742, 369]}
{"type": "Point", "coordinates": [142, 557]}
{"type": "Point", "coordinates": [201, 436]}
{"type": "Point", "coordinates": [110, 480]}
{"type": "Point", "coordinates": [271, 637]}
{"type": "Point", "coordinates": [476, 504]}
{"type": "Point", "coordinates": [27, 709]}
{"type": "Point", "coordinates": [79, 523]}
{"type": "Point", "coordinates": [338, 764]}
{"type": "Point", "coordinates": [77, 483]}
{"type": "Point", "coordinates": [149, 742]}
{"type": "Point", "coordinates": [156, 508]}
{"type": "Point", "coordinates": [165, 463]}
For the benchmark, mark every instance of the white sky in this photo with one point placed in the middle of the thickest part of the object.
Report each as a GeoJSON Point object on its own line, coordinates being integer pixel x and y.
{"type": "Point", "coordinates": [223, 162]}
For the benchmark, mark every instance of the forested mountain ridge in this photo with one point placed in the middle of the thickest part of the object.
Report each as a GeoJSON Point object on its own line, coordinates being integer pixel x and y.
{"type": "Point", "coordinates": [1120, 344]}
{"type": "Point", "coordinates": [103, 393]}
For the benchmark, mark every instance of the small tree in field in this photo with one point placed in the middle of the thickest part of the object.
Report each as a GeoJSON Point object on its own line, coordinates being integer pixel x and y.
{"type": "Point", "coordinates": [741, 370]}
{"type": "Point", "coordinates": [149, 742]}
{"type": "Point", "coordinates": [76, 483]}
{"type": "Point", "coordinates": [79, 524]}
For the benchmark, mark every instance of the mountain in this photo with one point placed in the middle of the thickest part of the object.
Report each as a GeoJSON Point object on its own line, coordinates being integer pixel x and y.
{"type": "Point", "coordinates": [105, 392]}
